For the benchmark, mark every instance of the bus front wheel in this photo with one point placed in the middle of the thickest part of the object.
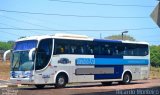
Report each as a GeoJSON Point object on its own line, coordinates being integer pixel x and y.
{"type": "Point", "coordinates": [61, 81]}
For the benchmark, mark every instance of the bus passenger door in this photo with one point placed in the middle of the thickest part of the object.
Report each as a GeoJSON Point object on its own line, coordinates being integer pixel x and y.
{"type": "Point", "coordinates": [43, 58]}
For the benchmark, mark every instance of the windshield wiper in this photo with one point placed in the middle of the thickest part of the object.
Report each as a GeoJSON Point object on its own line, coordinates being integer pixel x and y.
{"type": "Point", "coordinates": [15, 65]}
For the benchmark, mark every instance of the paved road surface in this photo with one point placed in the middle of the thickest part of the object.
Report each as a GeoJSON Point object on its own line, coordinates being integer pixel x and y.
{"type": "Point", "coordinates": [141, 87]}
{"type": "Point", "coordinates": [3, 82]}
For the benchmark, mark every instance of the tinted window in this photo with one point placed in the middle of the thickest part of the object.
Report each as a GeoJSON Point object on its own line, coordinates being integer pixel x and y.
{"type": "Point", "coordinates": [25, 45]}
{"type": "Point", "coordinates": [69, 47]}
{"type": "Point", "coordinates": [106, 49]}
{"type": "Point", "coordinates": [43, 54]}
{"type": "Point", "coordinates": [99, 48]}
{"type": "Point", "coordinates": [135, 50]}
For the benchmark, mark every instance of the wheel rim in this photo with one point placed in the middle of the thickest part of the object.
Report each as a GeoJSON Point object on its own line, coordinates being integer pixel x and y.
{"type": "Point", "coordinates": [61, 81]}
{"type": "Point", "coordinates": [127, 78]}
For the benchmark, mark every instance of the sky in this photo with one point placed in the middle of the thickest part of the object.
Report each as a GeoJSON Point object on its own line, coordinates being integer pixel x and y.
{"type": "Point", "coordinates": [94, 17]}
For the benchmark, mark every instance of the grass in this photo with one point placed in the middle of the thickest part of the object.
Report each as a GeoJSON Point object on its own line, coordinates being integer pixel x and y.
{"type": "Point", "coordinates": [5, 68]}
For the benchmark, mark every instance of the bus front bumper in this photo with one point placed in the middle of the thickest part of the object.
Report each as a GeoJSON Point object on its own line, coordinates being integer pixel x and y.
{"type": "Point", "coordinates": [27, 81]}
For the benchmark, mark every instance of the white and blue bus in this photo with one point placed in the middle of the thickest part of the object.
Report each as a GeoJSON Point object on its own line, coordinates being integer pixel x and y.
{"type": "Point", "coordinates": [67, 58]}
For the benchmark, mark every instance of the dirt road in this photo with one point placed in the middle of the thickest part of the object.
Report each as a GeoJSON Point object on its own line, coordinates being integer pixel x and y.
{"type": "Point", "coordinates": [141, 87]}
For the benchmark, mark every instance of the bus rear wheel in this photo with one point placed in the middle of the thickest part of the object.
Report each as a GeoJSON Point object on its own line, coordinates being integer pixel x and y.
{"type": "Point", "coordinates": [61, 81]}
{"type": "Point", "coordinates": [40, 86]}
{"type": "Point", "coordinates": [126, 78]}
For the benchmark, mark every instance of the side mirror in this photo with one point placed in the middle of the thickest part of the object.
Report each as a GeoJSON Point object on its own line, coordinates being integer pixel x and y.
{"type": "Point", "coordinates": [31, 52]}
{"type": "Point", "coordinates": [5, 54]}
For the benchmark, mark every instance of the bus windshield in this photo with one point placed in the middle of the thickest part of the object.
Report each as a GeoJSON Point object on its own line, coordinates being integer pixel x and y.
{"type": "Point", "coordinates": [20, 55]}
{"type": "Point", "coordinates": [20, 61]}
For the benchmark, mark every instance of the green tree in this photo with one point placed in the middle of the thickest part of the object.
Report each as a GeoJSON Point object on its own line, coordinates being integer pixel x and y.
{"type": "Point", "coordinates": [6, 45]}
{"type": "Point", "coordinates": [119, 37]}
{"type": "Point", "coordinates": [155, 55]}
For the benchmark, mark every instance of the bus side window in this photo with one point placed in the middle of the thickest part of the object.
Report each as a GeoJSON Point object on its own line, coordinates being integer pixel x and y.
{"type": "Point", "coordinates": [125, 51]}
{"type": "Point", "coordinates": [88, 49]}
{"type": "Point", "coordinates": [130, 50]}
{"type": "Point", "coordinates": [108, 51]}
{"type": "Point", "coordinates": [72, 49]}
{"type": "Point", "coordinates": [79, 47]}
{"type": "Point", "coordinates": [91, 48]}
{"type": "Point", "coordinates": [59, 49]}
{"type": "Point", "coordinates": [111, 50]}
{"type": "Point", "coordinates": [121, 50]}
{"type": "Point", "coordinates": [66, 49]}
{"type": "Point", "coordinates": [104, 49]}
{"type": "Point", "coordinates": [81, 50]}
{"type": "Point", "coordinates": [95, 48]}
{"type": "Point", "coordinates": [116, 52]}
{"type": "Point", "coordinates": [143, 50]}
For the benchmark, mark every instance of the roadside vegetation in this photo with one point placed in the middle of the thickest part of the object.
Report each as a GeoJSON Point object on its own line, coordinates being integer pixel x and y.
{"type": "Point", "coordinates": [6, 45]}
{"type": "Point", "coordinates": [4, 71]}
{"type": "Point", "coordinates": [154, 73]}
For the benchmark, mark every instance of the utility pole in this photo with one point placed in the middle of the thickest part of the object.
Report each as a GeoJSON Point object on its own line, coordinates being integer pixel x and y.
{"type": "Point", "coordinates": [100, 35]}
{"type": "Point", "coordinates": [123, 33]}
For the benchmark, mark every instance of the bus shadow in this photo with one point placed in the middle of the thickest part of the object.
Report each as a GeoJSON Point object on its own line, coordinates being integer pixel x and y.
{"type": "Point", "coordinates": [34, 88]}
{"type": "Point", "coordinates": [80, 85]}
{"type": "Point", "coordinates": [100, 85]}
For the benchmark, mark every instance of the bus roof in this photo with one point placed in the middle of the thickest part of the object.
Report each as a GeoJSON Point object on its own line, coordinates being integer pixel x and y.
{"type": "Point", "coordinates": [77, 37]}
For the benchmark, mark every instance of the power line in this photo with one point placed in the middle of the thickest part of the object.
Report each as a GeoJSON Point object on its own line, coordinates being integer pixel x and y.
{"type": "Point", "coordinates": [8, 25]}
{"type": "Point", "coordinates": [10, 33]}
{"type": "Point", "coordinates": [19, 35]}
{"type": "Point", "coordinates": [75, 30]}
{"type": "Point", "coordinates": [68, 15]}
{"type": "Point", "coordinates": [26, 22]}
{"type": "Point", "coordinates": [17, 27]}
{"type": "Point", "coordinates": [100, 4]}
{"type": "Point", "coordinates": [11, 18]}
{"type": "Point", "coordinates": [22, 22]}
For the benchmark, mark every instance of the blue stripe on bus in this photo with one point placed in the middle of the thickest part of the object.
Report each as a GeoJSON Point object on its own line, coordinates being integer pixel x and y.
{"type": "Point", "coordinates": [102, 61]}
{"type": "Point", "coordinates": [111, 61]}
{"type": "Point", "coordinates": [103, 40]}
{"type": "Point", "coordinates": [118, 70]}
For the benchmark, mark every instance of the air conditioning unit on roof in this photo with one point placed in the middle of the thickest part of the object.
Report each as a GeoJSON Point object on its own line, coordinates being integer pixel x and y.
{"type": "Point", "coordinates": [70, 35]}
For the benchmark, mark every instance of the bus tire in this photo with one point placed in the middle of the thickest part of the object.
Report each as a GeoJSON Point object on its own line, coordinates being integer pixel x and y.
{"type": "Point", "coordinates": [40, 86]}
{"type": "Point", "coordinates": [61, 81]}
{"type": "Point", "coordinates": [126, 78]}
{"type": "Point", "coordinates": [106, 83]}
